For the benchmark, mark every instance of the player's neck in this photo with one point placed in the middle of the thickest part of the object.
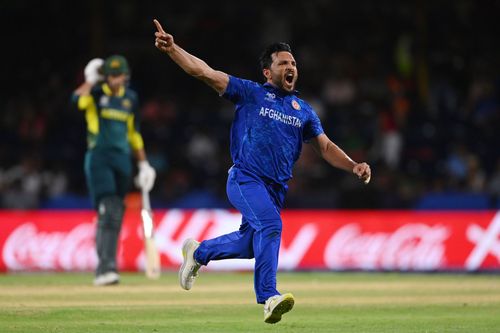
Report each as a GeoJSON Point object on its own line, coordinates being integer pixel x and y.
{"type": "Point", "coordinates": [115, 90]}
{"type": "Point", "coordinates": [281, 89]}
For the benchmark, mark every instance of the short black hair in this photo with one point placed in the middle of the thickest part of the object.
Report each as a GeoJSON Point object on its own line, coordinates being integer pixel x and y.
{"type": "Point", "coordinates": [266, 60]}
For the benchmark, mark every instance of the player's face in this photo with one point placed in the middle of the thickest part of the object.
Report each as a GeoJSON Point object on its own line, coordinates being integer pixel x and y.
{"type": "Point", "coordinates": [116, 81]}
{"type": "Point", "coordinates": [283, 72]}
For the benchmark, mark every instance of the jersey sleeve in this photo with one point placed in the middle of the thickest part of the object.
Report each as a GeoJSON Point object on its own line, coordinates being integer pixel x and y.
{"type": "Point", "coordinates": [312, 127]}
{"type": "Point", "coordinates": [83, 102]}
{"type": "Point", "coordinates": [87, 102]}
{"type": "Point", "coordinates": [133, 125]}
{"type": "Point", "coordinates": [238, 90]}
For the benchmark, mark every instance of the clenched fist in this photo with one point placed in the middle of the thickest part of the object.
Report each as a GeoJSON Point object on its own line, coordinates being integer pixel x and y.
{"type": "Point", "coordinates": [362, 170]}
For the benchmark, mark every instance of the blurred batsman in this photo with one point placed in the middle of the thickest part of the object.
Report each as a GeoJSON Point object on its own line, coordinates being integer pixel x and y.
{"type": "Point", "coordinates": [270, 124]}
{"type": "Point", "coordinates": [112, 115]}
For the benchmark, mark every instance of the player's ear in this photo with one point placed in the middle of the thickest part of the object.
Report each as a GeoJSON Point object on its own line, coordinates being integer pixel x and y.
{"type": "Point", "coordinates": [267, 73]}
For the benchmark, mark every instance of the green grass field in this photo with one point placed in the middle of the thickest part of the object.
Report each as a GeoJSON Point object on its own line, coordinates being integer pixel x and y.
{"type": "Point", "coordinates": [325, 302]}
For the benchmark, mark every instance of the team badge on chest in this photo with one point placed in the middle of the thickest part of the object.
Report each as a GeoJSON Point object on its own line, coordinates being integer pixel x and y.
{"type": "Point", "coordinates": [295, 105]}
{"type": "Point", "coordinates": [126, 103]}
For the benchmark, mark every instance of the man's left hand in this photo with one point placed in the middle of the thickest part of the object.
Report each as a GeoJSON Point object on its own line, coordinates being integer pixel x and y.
{"type": "Point", "coordinates": [146, 177]}
{"type": "Point", "coordinates": [362, 170]}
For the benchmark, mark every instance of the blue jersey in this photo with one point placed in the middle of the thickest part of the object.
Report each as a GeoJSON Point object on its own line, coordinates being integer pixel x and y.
{"type": "Point", "coordinates": [268, 129]}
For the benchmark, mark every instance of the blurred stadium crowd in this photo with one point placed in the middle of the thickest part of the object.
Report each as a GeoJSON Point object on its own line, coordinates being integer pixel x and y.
{"type": "Point", "coordinates": [412, 87]}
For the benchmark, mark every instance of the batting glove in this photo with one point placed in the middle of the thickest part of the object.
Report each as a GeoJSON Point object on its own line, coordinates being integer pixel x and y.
{"type": "Point", "coordinates": [91, 71]}
{"type": "Point", "coordinates": [146, 177]}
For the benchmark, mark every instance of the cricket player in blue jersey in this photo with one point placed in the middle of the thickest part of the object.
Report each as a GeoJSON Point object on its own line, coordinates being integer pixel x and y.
{"type": "Point", "coordinates": [270, 124]}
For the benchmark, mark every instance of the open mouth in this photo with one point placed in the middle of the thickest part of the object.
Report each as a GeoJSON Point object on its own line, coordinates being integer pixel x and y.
{"type": "Point", "coordinates": [289, 77]}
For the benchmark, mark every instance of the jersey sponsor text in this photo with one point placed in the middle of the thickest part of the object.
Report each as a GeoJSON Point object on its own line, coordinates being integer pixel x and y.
{"type": "Point", "coordinates": [114, 114]}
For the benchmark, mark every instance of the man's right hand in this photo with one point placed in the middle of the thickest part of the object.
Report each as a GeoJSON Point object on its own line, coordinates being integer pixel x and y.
{"type": "Point", "coordinates": [92, 74]}
{"type": "Point", "coordinates": [190, 64]}
{"type": "Point", "coordinates": [164, 42]}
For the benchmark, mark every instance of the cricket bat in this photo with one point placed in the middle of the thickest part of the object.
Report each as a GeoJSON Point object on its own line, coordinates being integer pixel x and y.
{"type": "Point", "coordinates": [153, 266]}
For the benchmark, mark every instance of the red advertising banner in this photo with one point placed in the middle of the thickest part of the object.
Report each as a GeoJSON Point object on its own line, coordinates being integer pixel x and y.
{"type": "Point", "coordinates": [324, 240]}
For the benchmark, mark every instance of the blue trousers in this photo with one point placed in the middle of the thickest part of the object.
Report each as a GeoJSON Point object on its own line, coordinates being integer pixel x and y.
{"type": "Point", "coordinates": [259, 235]}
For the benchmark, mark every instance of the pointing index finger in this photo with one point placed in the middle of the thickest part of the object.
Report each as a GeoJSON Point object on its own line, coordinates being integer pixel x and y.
{"type": "Point", "coordinates": [158, 26]}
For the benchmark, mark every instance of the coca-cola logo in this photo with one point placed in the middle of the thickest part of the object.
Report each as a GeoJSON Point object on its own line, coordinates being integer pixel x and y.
{"type": "Point", "coordinates": [410, 247]}
{"type": "Point", "coordinates": [27, 248]}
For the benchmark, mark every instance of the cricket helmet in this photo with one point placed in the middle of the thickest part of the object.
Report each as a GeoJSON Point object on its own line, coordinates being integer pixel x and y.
{"type": "Point", "coordinates": [115, 65]}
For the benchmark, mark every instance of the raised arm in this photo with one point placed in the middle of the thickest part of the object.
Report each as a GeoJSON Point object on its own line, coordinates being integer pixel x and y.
{"type": "Point", "coordinates": [189, 63]}
{"type": "Point", "coordinates": [339, 159]}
